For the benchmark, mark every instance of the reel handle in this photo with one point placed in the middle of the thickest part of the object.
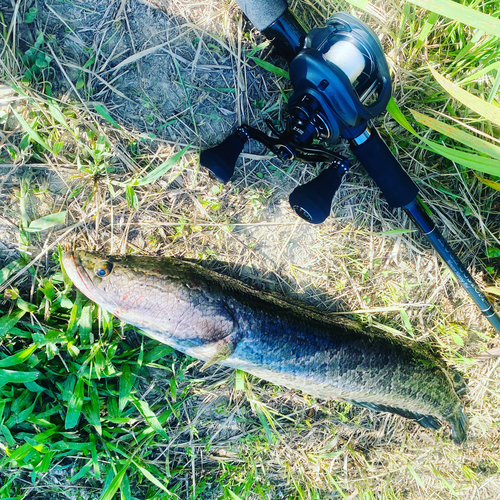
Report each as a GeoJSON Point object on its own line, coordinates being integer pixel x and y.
{"type": "Point", "coordinates": [221, 159]}
{"type": "Point", "coordinates": [313, 201]}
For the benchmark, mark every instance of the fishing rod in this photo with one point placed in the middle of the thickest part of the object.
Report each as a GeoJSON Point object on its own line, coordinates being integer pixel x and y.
{"type": "Point", "coordinates": [340, 81]}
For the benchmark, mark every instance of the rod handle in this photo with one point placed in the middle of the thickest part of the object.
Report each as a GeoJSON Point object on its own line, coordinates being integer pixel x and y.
{"type": "Point", "coordinates": [396, 185]}
{"type": "Point", "coordinates": [263, 13]}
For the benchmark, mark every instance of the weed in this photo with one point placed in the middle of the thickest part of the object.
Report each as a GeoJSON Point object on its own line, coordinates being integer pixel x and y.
{"type": "Point", "coordinates": [35, 60]}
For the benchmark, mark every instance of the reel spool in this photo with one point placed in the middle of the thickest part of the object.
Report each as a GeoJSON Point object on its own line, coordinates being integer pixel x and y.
{"type": "Point", "coordinates": [343, 73]}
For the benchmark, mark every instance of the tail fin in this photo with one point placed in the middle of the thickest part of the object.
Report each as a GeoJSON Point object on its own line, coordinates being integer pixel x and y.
{"type": "Point", "coordinates": [429, 422]}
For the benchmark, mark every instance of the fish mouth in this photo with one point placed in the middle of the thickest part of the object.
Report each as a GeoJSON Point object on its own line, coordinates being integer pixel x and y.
{"type": "Point", "coordinates": [73, 265]}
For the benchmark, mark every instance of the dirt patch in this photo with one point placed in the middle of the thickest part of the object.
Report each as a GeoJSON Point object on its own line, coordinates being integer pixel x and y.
{"type": "Point", "coordinates": [159, 72]}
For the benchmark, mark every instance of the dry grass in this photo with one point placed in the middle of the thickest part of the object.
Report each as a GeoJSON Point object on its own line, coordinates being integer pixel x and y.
{"type": "Point", "coordinates": [181, 78]}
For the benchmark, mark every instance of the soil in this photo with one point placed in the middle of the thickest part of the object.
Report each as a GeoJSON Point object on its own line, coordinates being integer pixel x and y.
{"type": "Point", "coordinates": [158, 71]}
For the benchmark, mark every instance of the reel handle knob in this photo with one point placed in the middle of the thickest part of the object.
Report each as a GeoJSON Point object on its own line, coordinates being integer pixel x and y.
{"type": "Point", "coordinates": [313, 201]}
{"type": "Point", "coordinates": [221, 159]}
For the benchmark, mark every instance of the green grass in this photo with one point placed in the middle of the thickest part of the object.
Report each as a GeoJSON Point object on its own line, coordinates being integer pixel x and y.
{"type": "Point", "coordinates": [91, 409]}
{"type": "Point", "coordinates": [68, 391]}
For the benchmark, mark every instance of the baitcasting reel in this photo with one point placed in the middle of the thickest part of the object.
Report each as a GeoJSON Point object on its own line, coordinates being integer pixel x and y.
{"type": "Point", "coordinates": [340, 80]}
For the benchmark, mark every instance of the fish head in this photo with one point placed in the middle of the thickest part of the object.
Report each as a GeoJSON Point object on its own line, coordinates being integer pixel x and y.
{"type": "Point", "coordinates": [107, 280]}
{"type": "Point", "coordinates": [163, 296]}
{"type": "Point", "coordinates": [81, 269]}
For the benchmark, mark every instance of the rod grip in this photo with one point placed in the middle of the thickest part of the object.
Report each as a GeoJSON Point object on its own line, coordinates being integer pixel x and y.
{"type": "Point", "coordinates": [377, 159]}
{"type": "Point", "coordinates": [263, 13]}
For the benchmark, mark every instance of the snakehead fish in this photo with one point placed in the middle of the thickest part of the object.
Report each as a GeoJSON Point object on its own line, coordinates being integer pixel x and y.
{"type": "Point", "coordinates": [218, 319]}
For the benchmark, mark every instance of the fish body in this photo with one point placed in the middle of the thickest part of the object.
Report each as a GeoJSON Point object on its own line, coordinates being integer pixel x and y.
{"type": "Point", "coordinates": [219, 319]}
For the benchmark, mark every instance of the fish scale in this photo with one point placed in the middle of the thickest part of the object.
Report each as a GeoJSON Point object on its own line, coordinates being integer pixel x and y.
{"type": "Point", "coordinates": [218, 319]}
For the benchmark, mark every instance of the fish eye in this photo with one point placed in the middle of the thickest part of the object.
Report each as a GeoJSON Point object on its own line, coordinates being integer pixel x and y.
{"type": "Point", "coordinates": [103, 269]}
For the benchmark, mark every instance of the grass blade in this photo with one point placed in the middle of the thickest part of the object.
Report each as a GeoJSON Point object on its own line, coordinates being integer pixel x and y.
{"type": "Point", "coordinates": [17, 358]}
{"type": "Point", "coordinates": [44, 223]}
{"type": "Point", "coordinates": [428, 26]}
{"type": "Point", "coordinates": [454, 133]}
{"type": "Point", "coordinates": [157, 173]}
{"type": "Point", "coordinates": [494, 89]}
{"type": "Point", "coordinates": [271, 67]}
{"type": "Point", "coordinates": [489, 183]}
{"type": "Point", "coordinates": [179, 74]}
{"type": "Point", "coordinates": [462, 14]}
{"type": "Point", "coordinates": [10, 269]}
{"type": "Point", "coordinates": [105, 114]}
{"type": "Point", "coordinates": [157, 353]}
{"type": "Point", "coordinates": [85, 325]}
{"type": "Point", "coordinates": [484, 108]}
{"type": "Point", "coordinates": [94, 410]}
{"type": "Point", "coordinates": [394, 110]}
{"type": "Point", "coordinates": [14, 377]}
{"type": "Point", "coordinates": [34, 135]}
{"type": "Point", "coordinates": [265, 424]}
{"type": "Point", "coordinates": [153, 479]}
{"type": "Point", "coordinates": [109, 494]}
{"type": "Point", "coordinates": [239, 383]}
{"type": "Point", "coordinates": [162, 169]}
{"type": "Point", "coordinates": [81, 473]}
{"type": "Point", "coordinates": [74, 406]}
{"type": "Point", "coordinates": [149, 416]}
{"type": "Point", "coordinates": [9, 321]}
{"type": "Point", "coordinates": [56, 113]}
{"type": "Point", "coordinates": [469, 160]}
{"type": "Point", "coordinates": [234, 496]}
{"type": "Point", "coordinates": [125, 386]}
{"type": "Point", "coordinates": [131, 197]}
{"type": "Point", "coordinates": [478, 74]}
{"type": "Point", "coordinates": [125, 492]}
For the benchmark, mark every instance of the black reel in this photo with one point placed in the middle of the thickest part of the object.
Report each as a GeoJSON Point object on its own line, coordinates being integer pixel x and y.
{"type": "Point", "coordinates": [340, 80]}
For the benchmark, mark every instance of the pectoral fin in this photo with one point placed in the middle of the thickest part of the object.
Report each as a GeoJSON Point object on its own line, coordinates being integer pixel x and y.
{"type": "Point", "coordinates": [225, 350]}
